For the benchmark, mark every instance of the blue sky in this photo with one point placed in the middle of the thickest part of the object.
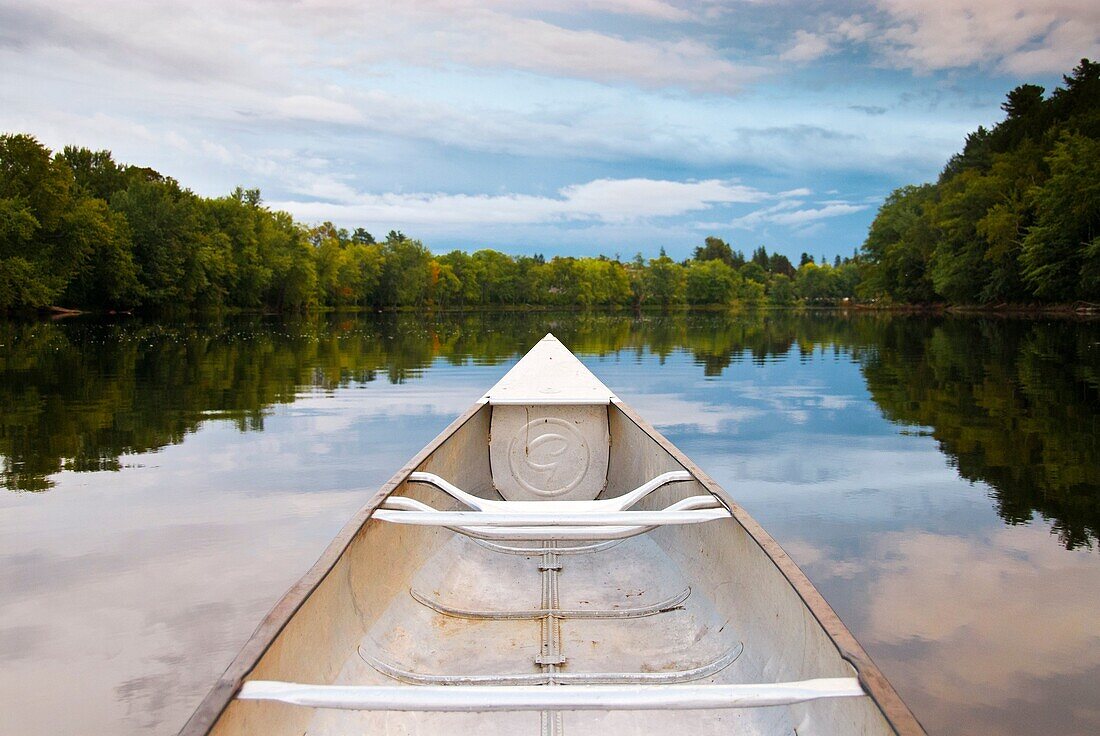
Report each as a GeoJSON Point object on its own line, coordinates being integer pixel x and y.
{"type": "Point", "coordinates": [573, 127]}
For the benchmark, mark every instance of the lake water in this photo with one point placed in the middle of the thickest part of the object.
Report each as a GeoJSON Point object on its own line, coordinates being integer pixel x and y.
{"type": "Point", "coordinates": [164, 483]}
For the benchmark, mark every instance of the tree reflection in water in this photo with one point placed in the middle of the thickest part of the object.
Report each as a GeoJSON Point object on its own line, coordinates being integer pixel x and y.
{"type": "Point", "coordinates": [1013, 403]}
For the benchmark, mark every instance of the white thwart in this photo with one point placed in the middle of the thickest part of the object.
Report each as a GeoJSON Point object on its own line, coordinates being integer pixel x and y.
{"type": "Point", "coordinates": [619, 503]}
{"type": "Point", "coordinates": [615, 518]}
{"type": "Point", "coordinates": [483, 698]}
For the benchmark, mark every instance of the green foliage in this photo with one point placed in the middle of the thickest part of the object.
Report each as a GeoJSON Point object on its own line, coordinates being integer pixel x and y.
{"type": "Point", "coordinates": [498, 278]}
{"type": "Point", "coordinates": [750, 293]}
{"type": "Point", "coordinates": [95, 172]}
{"type": "Point", "coordinates": [78, 229]}
{"type": "Point", "coordinates": [781, 292]}
{"type": "Point", "coordinates": [106, 275]}
{"type": "Point", "coordinates": [1012, 218]}
{"type": "Point", "coordinates": [163, 224]}
{"type": "Point", "coordinates": [716, 249]}
{"type": "Point", "coordinates": [663, 282]}
{"type": "Point", "coordinates": [406, 272]}
{"type": "Point", "coordinates": [36, 198]}
{"type": "Point", "coordinates": [753, 271]}
{"type": "Point", "coordinates": [899, 247]}
{"type": "Point", "coordinates": [1061, 253]}
{"type": "Point", "coordinates": [711, 282]}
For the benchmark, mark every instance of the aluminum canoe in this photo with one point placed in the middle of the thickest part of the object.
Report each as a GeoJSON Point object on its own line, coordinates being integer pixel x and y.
{"type": "Point", "coordinates": [551, 564]}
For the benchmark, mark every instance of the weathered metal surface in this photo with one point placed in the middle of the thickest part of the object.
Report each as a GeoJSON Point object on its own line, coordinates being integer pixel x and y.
{"type": "Point", "coordinates": [549, 453]}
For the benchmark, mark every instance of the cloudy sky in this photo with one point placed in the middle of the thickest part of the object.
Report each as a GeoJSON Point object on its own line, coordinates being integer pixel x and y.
{"type": "Point", "coordinates": [573, 127]}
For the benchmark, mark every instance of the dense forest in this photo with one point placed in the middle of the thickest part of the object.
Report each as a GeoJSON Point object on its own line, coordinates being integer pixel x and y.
{"type": "Point", "coordinates": [1012, 403]}
{"type": "Point", "coordinates": [1013, 218]}
{"type": "Point", "coordinates": [78, 230]}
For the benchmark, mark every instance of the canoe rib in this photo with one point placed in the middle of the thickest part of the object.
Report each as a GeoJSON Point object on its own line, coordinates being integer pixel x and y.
{"type": "Point", "coordinates": [638, 612]}
{"type": "Point", "coordinates": [580, 549]}
{"type": "Point", "coordinates": [559, 678]}
{"type": "Point", "coordinates": [478, 698]}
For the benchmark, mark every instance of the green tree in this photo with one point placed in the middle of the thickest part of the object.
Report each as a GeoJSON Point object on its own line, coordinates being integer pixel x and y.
{"type": "Point", "coordinates": [816, 283]}
{"type": "Point", "coordinates": [466, 272]}
{"type": "Point", "coordinates": [750, 293]}
{"type": "Point", "coordinates": [711, 282]}
{"type": "Point", "coordinates": [899, 246]}
{"type": "Point", "coordinates": [781, 291]}
{"type": "Point", "coordinates": [95, 172]}
{"type": "Point", "coordinates": [163, 221]}
{"type": "Point", "coordinates": [663, 282]}
{"type": "Point", "coordinates": [1012, 216]}
{"type": "Point", "coordinates": [716, 249]}
{"type": "Point", "coordinates": [780, 264]}
{"type": "Point", "coordinates": [106, 275]}
{"type": "Point", "coordinates": [406, 272]}
{"type": "Point", "coordinates": [445, 286]}
{"type": "Point", "coordinates": [753, 271]}
{"type": "Point", "coordinates": [1061, 253]}
{"type": "Point", "coordinates": [37, 259]}
{"type": "Point", "coordinates": [497, 275]}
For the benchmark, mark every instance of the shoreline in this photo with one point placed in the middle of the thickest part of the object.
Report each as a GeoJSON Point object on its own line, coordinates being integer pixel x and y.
{"type": "Point", "coordinates": [1081, 310]}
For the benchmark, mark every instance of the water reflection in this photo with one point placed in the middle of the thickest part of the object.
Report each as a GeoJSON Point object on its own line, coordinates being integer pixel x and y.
{"type": "Point", "coordinates": [1015, 404]}
{"type": "Point", "coordinates": [167, 482]}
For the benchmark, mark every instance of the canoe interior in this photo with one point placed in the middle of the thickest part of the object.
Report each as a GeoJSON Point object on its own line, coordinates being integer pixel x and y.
{"type": "Point", "coordinates": [384, 601]}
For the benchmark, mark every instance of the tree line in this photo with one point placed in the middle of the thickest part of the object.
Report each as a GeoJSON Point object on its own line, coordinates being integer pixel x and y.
{"type": "Point", "coordinates": [1013, 218]}
{"type": "Point", "coordinates": [79, 230]}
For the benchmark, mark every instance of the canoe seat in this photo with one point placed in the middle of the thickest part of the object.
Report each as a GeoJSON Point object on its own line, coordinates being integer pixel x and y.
{"type": "Point", "coordinates": [551, 520]}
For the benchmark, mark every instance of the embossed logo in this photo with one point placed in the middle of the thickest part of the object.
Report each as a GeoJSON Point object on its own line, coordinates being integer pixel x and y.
{"type": "Point", "coordinates": [548, 456]}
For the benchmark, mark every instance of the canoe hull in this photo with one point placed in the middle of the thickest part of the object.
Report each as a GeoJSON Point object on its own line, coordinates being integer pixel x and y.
{"type": "Point", "coordinates": [389, 604]}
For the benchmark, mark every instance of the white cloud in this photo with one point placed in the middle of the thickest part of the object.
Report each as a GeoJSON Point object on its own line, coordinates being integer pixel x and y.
{"type": "Point", "coordinates": [1020, 36]}
{"type": "Point", "coordinates": [601, 200]}
{"type": "Point", "coordinates": [495, 40]}
{"type": "Point", "coordinates": [667, 410]}
{"type": "Point", "coordinates": [809, 46]}
{"type": "Point", "coordinates": [802, 217]}
{"type": "Point", "coordinates": [790, 212]}
{"type": "Point", "coordinates": [256, 40]}
{"type": "Point", "coordinates": [806, 47]}
{"type": "Point", "coordinates": [319, 101]}
{"type": "Point", "coordinates": [647, 8]}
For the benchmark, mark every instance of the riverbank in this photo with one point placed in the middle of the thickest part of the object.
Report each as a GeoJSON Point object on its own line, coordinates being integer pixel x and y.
{"type": "Point", "coordinates": [1077, 309]}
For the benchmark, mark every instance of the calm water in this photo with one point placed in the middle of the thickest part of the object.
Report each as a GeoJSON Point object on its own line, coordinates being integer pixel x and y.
{"type": "Point", "coordinates": [164, 483]}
